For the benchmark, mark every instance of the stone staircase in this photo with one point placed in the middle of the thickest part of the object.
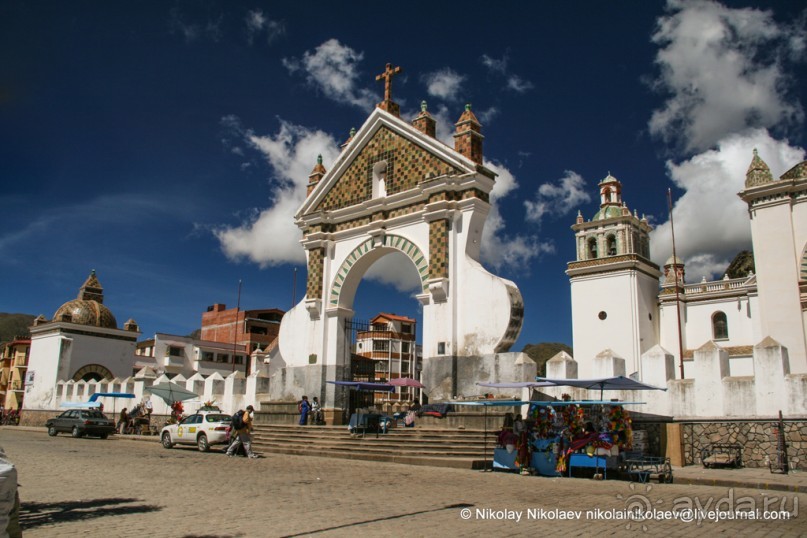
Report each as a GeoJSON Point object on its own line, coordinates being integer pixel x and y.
{"type": "Point", "coordinates": [464, 449]}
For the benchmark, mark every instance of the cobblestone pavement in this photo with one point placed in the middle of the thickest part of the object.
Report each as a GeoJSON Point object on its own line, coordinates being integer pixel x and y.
{"type": "Point", "coordinates": [120, 487]}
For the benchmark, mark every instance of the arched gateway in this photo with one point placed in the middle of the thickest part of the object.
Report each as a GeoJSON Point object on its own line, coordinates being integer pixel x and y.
{"type": "Point", "coordinates": [396, 188]}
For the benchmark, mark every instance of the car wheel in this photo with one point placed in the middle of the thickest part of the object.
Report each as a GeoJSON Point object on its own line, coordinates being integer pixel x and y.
{"type": "Point", "coordinates": [167, 440]}
{"type": "Point", "coordinates": [76, 432]}
{"type": "Point", "coordinates": [52, 431]}
{"type": "Point", "coordinates": [201, 442]}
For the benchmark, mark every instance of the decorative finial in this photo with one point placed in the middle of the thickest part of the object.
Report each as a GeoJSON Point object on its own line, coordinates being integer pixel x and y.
{"type": "Point", "coordinates": [352, 132]}
{"type": "Point", "coordinates": [92, 272]}
{"type": "Point", "coordinates": [319, 159]}
{"type": "Point", "coordinates": [468, 106]}
{"type": "Point", "coordinates": [755, 152]}
{"type": "Point", "coordinates": [423, 106]}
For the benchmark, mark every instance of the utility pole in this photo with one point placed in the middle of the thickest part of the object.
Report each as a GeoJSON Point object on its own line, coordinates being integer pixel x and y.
{"type": "Point", "coordinates": [235, 323]}
{"type": "Point", "coordinates": [677, 298]}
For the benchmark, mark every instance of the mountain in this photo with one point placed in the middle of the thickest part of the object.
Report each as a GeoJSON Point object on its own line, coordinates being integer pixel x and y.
{"type": "Point", "coordinates": [14, 325]}
{"type": "Point", "coordinates": [742, 265]}
{"type": "Point", "coordinates": [542, 352]}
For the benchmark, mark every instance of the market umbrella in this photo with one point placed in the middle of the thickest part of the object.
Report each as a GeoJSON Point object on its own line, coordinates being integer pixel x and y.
{"type": "Point", "coordinates": [406, 382]}
{"type": "Point", "coordinates": [171, 392]}
{"type": "Point", "coordinates": [605, 383]}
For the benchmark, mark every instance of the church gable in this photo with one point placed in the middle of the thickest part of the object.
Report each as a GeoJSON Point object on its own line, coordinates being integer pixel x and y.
{"type": "Point", "coordinates": [401, 164]}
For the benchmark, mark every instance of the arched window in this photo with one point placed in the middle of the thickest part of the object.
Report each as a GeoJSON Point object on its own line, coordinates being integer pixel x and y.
{"type": "Point", "coordinates": [380, 179]}
{"type": "Point", "coordinates": [720, 326]}
{"type": "Point", "coordinates": [592, 248]}
{"type": "Point", "coordinates": [612, 245]}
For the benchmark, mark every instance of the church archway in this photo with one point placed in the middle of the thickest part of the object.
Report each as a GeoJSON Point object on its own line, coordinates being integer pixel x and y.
{"type": "Point", "coordinates": [92, 372]}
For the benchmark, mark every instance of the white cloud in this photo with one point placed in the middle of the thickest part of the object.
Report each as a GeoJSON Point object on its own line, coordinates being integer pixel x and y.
{"type": "Point", "coordinates": [444, 84]}
{"type": "Point", "coordinates": [195, 30]}
{"type": "Point", "coordinates": [332, 68]}
{"type": "Point", "coordinates": [494, 65]}
{"type": "Point", "coordinates": [557, 199]}
{"type": "Point", "coordinates": [711, 221]}
{"type": "Point", "coordinates": [498, 249]}
{"type": "Point", "coordinates": [270, 237]}
{"type": "Point", "coordinates": [518, 84]}
{"type": "Point", "coordinates": [725, 70]}
{"type": "Point", "coordinates": [257, 23]}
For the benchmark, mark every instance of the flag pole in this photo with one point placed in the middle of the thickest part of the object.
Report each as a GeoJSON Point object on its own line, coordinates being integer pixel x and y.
{"type": "Point", "coordinates": [677, 298]}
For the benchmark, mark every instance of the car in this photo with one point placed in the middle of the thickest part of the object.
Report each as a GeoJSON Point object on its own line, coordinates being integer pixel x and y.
{"type": "Point", "coordinates": [81, 422]}
{"type": "Point", "coordinates": [203, 429]}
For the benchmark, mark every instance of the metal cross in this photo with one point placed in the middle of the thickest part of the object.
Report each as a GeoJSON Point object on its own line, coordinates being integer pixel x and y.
{"type": "Point", "coordinates": [387, 75]}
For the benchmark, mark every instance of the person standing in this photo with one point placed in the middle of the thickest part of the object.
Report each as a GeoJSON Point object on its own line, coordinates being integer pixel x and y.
{"type": "Point", "coordinates": [304, 409]}
{"type": "Point", "coordinates": [242, 434]}
{"type": "Point", "coordinates": [149, 408]}
{"type": "Point", "coordinates": [316, 412]}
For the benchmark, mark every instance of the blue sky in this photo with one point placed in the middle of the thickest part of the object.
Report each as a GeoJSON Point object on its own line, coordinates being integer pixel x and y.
{"type": "Point", "coordinates": [167, 144]}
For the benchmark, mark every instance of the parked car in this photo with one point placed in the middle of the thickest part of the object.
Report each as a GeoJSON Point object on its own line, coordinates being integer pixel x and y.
{"type": "Point", "coordinates": [203, 429]}
{"type": "Point", "coordinates": [80, 422]}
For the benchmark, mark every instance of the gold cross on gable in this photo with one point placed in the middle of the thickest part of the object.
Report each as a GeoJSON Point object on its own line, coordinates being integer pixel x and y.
{"type": "Point", "coordinates": [387, 75]}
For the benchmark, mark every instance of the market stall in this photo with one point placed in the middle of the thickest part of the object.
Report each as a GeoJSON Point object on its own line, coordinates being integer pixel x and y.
{"type": "Point", "coordinates": [556, 437]}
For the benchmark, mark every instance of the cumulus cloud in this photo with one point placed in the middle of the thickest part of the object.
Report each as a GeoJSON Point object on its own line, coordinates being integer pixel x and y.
{"type": "Point", "coordinates": [725, 70]}
{"type": "Point", "coordinates": [444, 83]}
{"type": "Point", "coordinates": [711, 221]}
{"type": "Point", "coordinates": [557, 199]}
{"type": "Point", "coordinates": [332, 68]}
{"type": "Point", "coordinates": [257, 24]}
{"type": "Point", "coordinates": [495, 65]}
{"type": "Point", "coordinates": [499, 67]}
{"type": "Point", "coordinates": [195, 30]}
{"type": "Point", "coordinates": [269, 236]}
{"type": "Point", "coordinates": [499, 249]}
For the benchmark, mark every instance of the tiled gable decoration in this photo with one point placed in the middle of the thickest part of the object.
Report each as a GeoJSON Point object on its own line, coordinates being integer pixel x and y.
{"type": "Point", "coordinates": [407, 165]}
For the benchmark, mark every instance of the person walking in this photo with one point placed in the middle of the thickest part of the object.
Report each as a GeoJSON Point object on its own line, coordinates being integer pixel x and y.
{"type": "Point", "coordinates": [123, 421]}
{"type": "Point", "coordinates": [304, 408]}
{"type": "Point", "coordinates": [242, 433]}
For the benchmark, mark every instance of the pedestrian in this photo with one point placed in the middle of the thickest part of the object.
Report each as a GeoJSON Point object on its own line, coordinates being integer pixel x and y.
{"type": "Point", "coordinates": [242, 433]}
{"type": "Point", "coordinates": [123, 421]}
{"type": "Point", "coordinates": [316, 412]}
{"type": "Point", "coordinates": [304, 407]}
{"type": "Point", "coordinates": [411, 414]}
{"type": "Point", "coordinates": [149, 408]}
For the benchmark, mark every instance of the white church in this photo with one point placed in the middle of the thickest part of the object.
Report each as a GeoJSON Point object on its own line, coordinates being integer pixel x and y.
{"type": "Point", "coordinates": [730, 347]}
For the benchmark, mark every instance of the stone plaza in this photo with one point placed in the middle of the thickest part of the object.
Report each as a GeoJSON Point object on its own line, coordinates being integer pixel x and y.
{"type": "Point", "coordinates": [123, 487]}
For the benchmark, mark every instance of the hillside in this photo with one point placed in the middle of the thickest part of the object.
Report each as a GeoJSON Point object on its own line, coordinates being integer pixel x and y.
{"type": "Point", "coordinates": [13, 325]}
{"type": "Point", "coordinates": [544, 351]}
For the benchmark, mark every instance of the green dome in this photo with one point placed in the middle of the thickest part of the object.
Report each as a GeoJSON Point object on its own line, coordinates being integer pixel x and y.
{"type": "Point", "coordinates": [608, 212]}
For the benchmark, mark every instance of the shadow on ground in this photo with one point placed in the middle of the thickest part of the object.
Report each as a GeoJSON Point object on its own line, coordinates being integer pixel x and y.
{"type": "Point", "coordinates": [33, 514]}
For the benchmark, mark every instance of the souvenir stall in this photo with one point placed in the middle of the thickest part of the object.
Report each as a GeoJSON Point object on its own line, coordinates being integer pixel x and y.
{"type": "Point", "coordinates": [557, 437]}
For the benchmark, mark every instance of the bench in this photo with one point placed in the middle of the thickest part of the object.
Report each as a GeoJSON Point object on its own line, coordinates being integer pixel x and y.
{"type": "Point", "coordinates": [722, 455]}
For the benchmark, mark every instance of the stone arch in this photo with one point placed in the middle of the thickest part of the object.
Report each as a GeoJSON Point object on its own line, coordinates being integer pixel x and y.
{"type": "Point", "coordinates": [803, 271]}
{"type": "Point", "coordinates": [387, 244]}
{"type": "Point", "coordinates": [92, 372]}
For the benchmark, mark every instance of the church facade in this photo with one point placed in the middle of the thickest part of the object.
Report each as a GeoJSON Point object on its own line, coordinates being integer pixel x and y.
{"type": "Point", "coordinates": [730, 347]}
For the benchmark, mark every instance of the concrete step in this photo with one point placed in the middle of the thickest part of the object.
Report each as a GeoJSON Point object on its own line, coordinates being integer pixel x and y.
{"type": "Point", "coordinates": [464, 449]}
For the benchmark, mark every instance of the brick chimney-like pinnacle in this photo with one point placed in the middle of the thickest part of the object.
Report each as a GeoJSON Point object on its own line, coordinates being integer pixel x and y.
{"type": "Point", "coordinates": [468, 138]}
{"type": "Point", "coordinates": [424, 122]}
{"type": "Point", "coordinates": [316, 175]}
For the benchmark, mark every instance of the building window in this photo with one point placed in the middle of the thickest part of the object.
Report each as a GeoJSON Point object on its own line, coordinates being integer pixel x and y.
{"type": "Point", "coordinates": [720, 326]}
{"type": "Point", "coordinates": [380, 179]}
{"type": "Point", "coordinates": [406, 328]}
{"type": "Point", "coordinates": [222, 357]}
{"type": "Point", "coordinates": [208, 356]}
{"type": "Point", "coordinates": [175, 351]}
{"type": "Point", "coordinates": [441, 348]}
{"type": "Point", "coordinates": [380, 345]}
{"type": "Point", "coordinates": [405, 347]}
{"type": "Point", "coordinates": [592, 248]}
{"type": "Point", "coordinates": [611, 245]}
{"type": "Point", "coordinates": [239, 359]}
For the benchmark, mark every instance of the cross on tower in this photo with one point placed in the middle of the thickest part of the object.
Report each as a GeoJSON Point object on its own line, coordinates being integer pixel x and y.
{"type": "Point", "coordinates": [387, 75]}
